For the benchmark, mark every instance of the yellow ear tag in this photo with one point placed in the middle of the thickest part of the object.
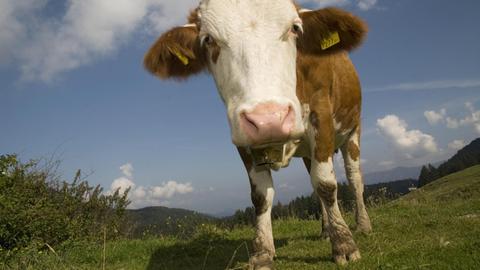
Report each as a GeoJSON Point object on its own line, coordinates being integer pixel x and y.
{"type": "Point", "coordinates": [332, 39]}
{"type": "Point", "coordinates": [181, 57]}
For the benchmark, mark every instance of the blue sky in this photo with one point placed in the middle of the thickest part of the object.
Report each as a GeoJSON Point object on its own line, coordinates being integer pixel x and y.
{"type": "Point", "coordinates": [73, 86]}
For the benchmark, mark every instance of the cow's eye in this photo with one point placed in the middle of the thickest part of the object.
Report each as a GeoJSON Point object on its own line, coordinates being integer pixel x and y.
{"type": "Point", "coordinates": [297, 28]}
{"type": "Point", "coordinates": [206, 40]}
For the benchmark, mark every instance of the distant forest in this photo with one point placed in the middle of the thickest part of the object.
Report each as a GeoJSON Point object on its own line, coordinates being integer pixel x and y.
{"type": "Point", "coordinates": [308, 207]}
{"type": "Point", "coordinates": [464, 158]}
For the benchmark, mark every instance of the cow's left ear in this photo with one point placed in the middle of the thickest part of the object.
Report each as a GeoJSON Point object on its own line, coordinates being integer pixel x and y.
{"type": "Point", "coordinates": [329, 30]}
{"type": "Point", "coordinates": [176, 54]}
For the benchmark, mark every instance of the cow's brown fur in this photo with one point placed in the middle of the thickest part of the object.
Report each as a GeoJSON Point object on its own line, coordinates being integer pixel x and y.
{"type": "Point", "coordinates": [161, 60]}
{"type": "Point", "coordinates": [328, 83]}
{"type": "Point", "coordinates": [354, 149]}
{"type": "Point", "coordinates": [193, 17]}
{"type": "Point", "coordinates": [319, 24]}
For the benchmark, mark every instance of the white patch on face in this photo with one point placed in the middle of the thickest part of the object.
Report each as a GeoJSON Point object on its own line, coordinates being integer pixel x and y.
{"type": "Point", "coordinates": [257, 61]}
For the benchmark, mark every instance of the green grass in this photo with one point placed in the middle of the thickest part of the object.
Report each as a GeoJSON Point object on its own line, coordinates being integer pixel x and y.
{"type": "Point", "coordinates": [436, 227]}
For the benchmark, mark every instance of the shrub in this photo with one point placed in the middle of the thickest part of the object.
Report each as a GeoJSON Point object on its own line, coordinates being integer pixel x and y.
{"type": "Point", "coordinates": [36, 208]}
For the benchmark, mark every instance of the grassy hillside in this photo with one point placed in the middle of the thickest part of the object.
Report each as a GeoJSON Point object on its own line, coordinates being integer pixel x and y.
{"type": "Point", "coordinates": [157, 220]}
{"type": "Point", "coordinates": [436, 227]}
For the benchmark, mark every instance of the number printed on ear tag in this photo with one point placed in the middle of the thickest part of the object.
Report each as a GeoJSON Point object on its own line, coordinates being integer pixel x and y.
{"type": "Point", "coordinates": [331, 39]}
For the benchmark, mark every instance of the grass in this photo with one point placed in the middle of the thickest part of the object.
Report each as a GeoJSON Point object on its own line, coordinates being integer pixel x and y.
{"type": "Point", "coordinates": [436, 227]}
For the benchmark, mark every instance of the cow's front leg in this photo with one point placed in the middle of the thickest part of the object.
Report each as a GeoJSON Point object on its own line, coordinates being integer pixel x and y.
{"type": "Point", "coordinates": [322, 175]}
{"type": "Point", "coordinates": [262, 193]}
{"type": "Point", "coordinates": [324, 233]}
{"type": "Point", "coordinates": [325, 185]}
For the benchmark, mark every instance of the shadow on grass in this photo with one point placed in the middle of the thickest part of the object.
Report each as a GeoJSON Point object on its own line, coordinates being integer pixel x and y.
{"type": "Point", "coordinates": [204, 253]}
{"type": "Point", "coordinates": [214, 252]}
{"type": "Point", "coordinates": [308, 260]}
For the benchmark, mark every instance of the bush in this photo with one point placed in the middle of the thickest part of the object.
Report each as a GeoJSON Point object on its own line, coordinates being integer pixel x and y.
{"type": "Point", "coordinates": [36, 208]}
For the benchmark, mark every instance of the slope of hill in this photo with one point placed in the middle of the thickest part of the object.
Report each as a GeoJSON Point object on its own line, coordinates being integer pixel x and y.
{"type": "Point", "coordinates": [395, 188]}
{"type": "Point", "coordinates": [464, 158]}
{"type": "Point", "coordinates": [435, 227]}
{"type": "Point", "coordinates": [158, 220]}
{"type": "Point", "coordinates": [391, 175]}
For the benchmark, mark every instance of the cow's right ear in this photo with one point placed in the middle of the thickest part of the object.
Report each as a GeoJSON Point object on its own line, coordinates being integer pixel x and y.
{"type": "Point", "coordinates": [176, 54]}
{"type": "Point", "coordinates": [329, 30]}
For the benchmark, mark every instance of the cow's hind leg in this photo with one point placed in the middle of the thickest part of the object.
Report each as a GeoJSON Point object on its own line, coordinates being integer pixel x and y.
{"type": "Point", "coordinates": [324, 233]}
{"type": "Point", "coordinates": [262, 194]}
{"type": "Point", "coordinates": [351, 157]}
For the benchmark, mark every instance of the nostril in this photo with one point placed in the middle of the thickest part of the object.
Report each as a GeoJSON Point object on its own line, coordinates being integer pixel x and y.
{"type": "Point", "coordinates": [289, 120]}
{"type": "Point", "coordinates": [249, 121]}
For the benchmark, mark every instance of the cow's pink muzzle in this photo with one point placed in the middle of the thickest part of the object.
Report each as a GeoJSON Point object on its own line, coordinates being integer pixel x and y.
{"type": "Point", "coordinates": [268, 123]}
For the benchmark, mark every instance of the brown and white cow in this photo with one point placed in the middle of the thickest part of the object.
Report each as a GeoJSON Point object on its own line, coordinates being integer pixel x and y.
{"type": "Point", "coordinates": [290, 89]}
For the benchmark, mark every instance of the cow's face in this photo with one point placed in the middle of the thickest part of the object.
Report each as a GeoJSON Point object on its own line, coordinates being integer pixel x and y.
{"type": "Point", "coordinates": [250, 47]}
{"type": "Point", "coordinates": [251, 53]}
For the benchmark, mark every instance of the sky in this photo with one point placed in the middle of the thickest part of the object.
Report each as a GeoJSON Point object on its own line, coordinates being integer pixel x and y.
{"type": "Point", "coordinates": [72, 87]}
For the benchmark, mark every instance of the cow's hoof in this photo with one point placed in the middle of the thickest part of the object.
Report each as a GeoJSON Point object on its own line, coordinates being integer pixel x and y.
{"type": "Point", "coordinates": [364, 229]}
{"type": "Point", "coordinates": [343, 259]}
{"type": "Point", "coordinates": [324, 235]}
{"type": "Point", "coordinates": [364, 226]}
{"type": "Point", "coordinates": [263, 261]}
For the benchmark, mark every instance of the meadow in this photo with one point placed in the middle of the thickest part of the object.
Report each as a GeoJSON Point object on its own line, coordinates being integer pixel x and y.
{"type": "Point", "coordinates": [435, 227]}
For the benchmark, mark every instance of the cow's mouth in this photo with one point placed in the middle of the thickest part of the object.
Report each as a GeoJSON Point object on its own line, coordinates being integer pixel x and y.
{"type": "Point", "coordinates": [274, 155]}
{"type": "Point", "coordinates": [268, 154]}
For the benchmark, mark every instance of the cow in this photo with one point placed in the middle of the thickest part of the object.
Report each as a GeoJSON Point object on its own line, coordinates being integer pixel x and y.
{"type": "Point", "coordinates": [290, 90]}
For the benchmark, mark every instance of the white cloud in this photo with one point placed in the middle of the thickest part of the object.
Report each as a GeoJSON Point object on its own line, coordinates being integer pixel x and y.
{"type": "Point", "coordinates": [411, 143]}
{"type": "Point", "coordinates": [366, 4]}
{"type": "Point", "coordinates": [327, 3]}
{"type": "Point", "coordinates": [386, 163]}
{"type": "Point", "coordinates": [456, 144]}
{"type": "Point", "coordinates": [167, 190]}
{"type": "Point", "coordinates": [15, 20]}
{"type": "Point", "coordinates": [141, 196]}
{"type": "Point", "coordinates": [471, 119]}
{"type": "Point", "coordinates": [430, 85]}
{"type": "Point", "coordinates": [88, 30]}
{"type": "Point", "coordinates": [286, 187]}
{"type": "Point", "coordinates": [434, 117]}
{"type": "Point", "coordinates": [452, 123]}
{"type": "Point", "coordinates": [127, 170]}
{"type": "Point", "coordinates": [361, 4]}
{"type": "Point", "coordinates": [121, 184]}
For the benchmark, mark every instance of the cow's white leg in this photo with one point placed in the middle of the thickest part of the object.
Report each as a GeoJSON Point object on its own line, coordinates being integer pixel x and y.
{"type": "Point", "coordinates": [262, 194]}
{"type": "Point", "coordinates": [324, 233]}
{"type": "Point", "coordinates": [321, 138]}
{"type": "Point", "coordinates": [325, 224]}
{"type": "Point", "coordinates": [351, 157]}
{"type": "Point", "coordinates": [325, 185]}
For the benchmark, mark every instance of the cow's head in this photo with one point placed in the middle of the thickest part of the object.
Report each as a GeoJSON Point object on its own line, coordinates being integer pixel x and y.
{"type": "Point", "coordinates": [250, 48]}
